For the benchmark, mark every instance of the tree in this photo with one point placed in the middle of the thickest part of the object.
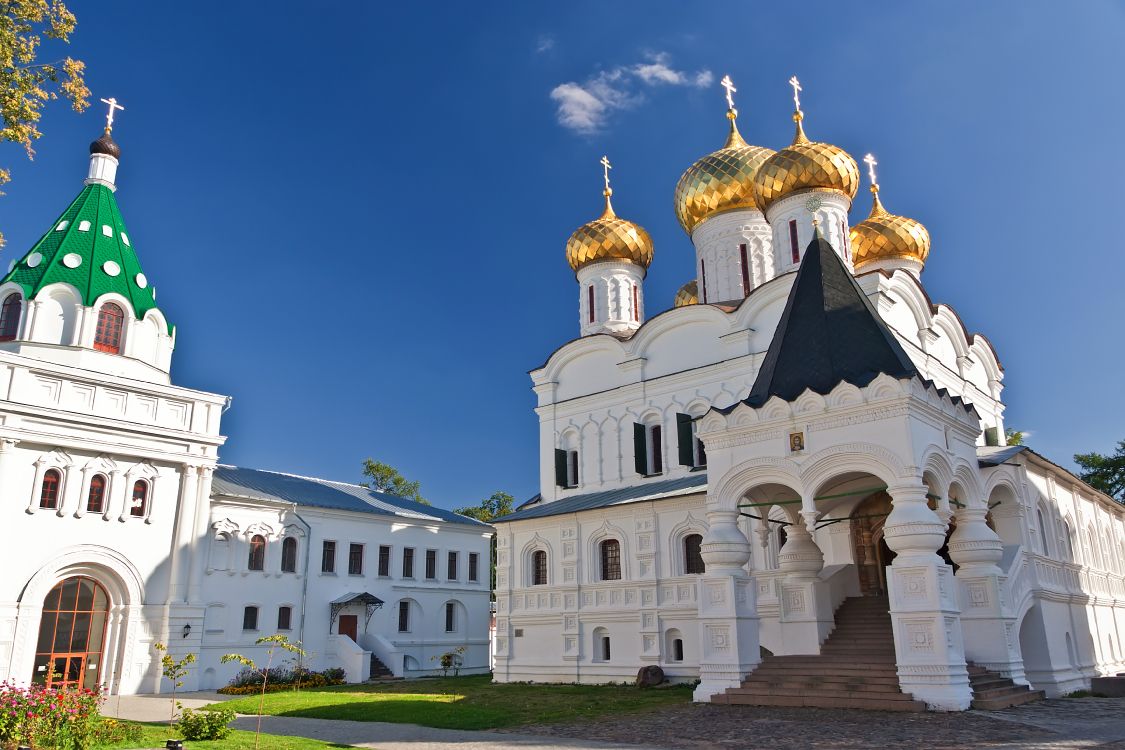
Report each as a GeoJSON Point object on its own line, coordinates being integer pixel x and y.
{"type": "Point", "coordinates": [1105, 473]}
{"type": "Point", "coordinates": [27, 84]}
{"type": "Point", "coordinates": [385, 478]}
{"type": "Point", "coordinates": [175, 672]}
{"type": "Point", "coordinates": [1013, 437]}
{"type": "Point", "coordinates": [496, 506]}
{"type": "Point", "coordinates": [277, 641]}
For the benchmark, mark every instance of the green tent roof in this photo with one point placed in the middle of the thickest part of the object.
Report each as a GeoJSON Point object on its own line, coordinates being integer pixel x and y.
{"type": "Point", "coordinates": [83, 248]}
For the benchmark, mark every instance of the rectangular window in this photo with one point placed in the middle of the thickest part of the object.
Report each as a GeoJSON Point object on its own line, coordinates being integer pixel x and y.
{"type": "Point", "coordinates": [431, 563]}
{"type": "Point", "coordinates": [844, 237]}
{"type": "Point", "coordinates": [474, 561]}
{"type": "Point", "coordinates": [450, 617]}
{"type": "Point", "coordinates": [605, 648]}
{"type": "Point", "coordinates": [451, 567]}
{"type": "Point", "coordinates": [590, 301]}
{"type": "Point", "coordinates": [636, 304]}
{"type": "Point", "coordinates": [611, 560]}
{"type": "Point", "coordinates": [404, 617]}
{"type": "Point", "coordinates": [384, 560]}
{"type": "Point", "coordinates": [250, 618]}
{"type": "Point", "coordinates": [355, 559]}
{"type": "Point", "coordinates": [408, 562]}
{"type": "Point", "coordinates": [328, 557]}
{"type": "Point", "coordinates": [572, 468]}
{"type": "Point", "coordinates": [656, 464]}
{"type": "Point", "coordinates": [794, 248]}
{"type": "Point", "coordinates": [284, 616]}
{"type": "Point", "coordinates": [745, 270]}
{"type": "Point", "coordinates": [703, 278]}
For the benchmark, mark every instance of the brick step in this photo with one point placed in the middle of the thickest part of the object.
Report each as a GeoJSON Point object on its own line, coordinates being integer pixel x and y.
{"type": "Point", "coordinates": [825, 679]}
{"type": "Point", "coordinates": [805, 685]}
{"type": "Point", "coordinates": [837, 659]}
{"type": "Point", "coordinates": [815, 672]}
{"type": "Point", "coordinates": [814, 692]}
{"type": "Point", "coordinates": [979, 684]}
{"type": "Point", "coordinates": [799, 701]}
{"type": "Point", "coordinates": [1007, 701]}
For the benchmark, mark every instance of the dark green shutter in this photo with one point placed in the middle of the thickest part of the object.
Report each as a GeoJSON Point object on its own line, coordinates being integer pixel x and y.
{"type": "Point", "coordinates": [992, 436]}
{"type": "Point", "coordinates": [640, 455]}
{"type": "Point", "coordinates": [684, 439]}
{"type": "Point", "coordinates": [560, 467]}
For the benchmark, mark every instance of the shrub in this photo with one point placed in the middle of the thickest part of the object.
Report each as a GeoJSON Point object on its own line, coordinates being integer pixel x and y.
{"type": "Point", "coordinates": [206, 725]}
{"type": "Point", "coordinates": [62, 718]}
{"type": "Point", "coordinates": [334, 675]}
{"type": "Point", "coordinates": [248, 682]}
{"type": "Point", "coordinates": [115, 732]}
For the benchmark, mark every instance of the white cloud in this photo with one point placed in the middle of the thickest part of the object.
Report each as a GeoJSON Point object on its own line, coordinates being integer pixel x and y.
{"type": "Point", "coordinates": [545, 43]}
{"type": "Point", "coordinates": [585, 107]}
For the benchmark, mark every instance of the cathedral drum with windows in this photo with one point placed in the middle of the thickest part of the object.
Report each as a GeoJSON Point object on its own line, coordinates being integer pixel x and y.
{"type": "Point", "coordinates": [796, 470]}
{"type": "Point", "coordinates": [120, 528]}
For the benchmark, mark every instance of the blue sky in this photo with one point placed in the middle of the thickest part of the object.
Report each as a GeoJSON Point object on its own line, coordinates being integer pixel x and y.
{"type": "Point", "coordinates": [355, 213]}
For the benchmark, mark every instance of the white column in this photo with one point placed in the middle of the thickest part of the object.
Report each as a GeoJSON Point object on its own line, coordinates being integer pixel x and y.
{"type": "Point", "coordinates": [718, 249]}
{"type": "Point", "coordinates": [202, 515]}
{"type": "Point", "coordinates": [806, 607]}
{"type": "Point", "coordinates": [185, 530]}
{"type": "Point", "coordinates": [728, 611]}
{"type": "Point", "coordinates": [990, 638]}
{"type": "Point", "coordinates": [927, 627]}
{"type": "Point", "coordinates": [831, 215]}
{"type": "Point", "coordinates": [613, 284]}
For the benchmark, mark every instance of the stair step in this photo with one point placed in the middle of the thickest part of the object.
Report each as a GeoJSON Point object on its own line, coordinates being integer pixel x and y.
{"type": "Point", "coordinates": [812, 686]}
{"type": "Point", "coordinates": [749, 689]}
{"type": "Point", "coordinates": [870, 704]}
{"type": "Point", "coordinates": [993, 704]}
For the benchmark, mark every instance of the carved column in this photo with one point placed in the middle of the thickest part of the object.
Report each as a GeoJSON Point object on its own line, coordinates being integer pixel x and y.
{"type": "Point", "coordinates": [806, 607]}
{"type": "Point", "coordinates": [728, 611]}
{"type": "Point", "coordinates": [990, 637]}
{"type": "Point", "coordinates": [927, 627]}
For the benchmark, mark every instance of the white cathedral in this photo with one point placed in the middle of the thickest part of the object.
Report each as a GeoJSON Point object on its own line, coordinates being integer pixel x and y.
{"type": "Point", "coordinates": [794, 485]}
{"type": "Point", "coordinates": [119, 527]}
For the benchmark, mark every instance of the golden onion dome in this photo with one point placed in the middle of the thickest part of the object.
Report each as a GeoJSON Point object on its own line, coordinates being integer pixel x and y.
{"type": "Point", "coordinates": [688, 294]}
{"type": "Point", "coordinates": [886, 236]}
{"type": "Point", "coordinates": [720, 181]}
{"type": "Point", "coordinates": [609, 238]}
{"type": "Point", "coordinates": [805, 165]}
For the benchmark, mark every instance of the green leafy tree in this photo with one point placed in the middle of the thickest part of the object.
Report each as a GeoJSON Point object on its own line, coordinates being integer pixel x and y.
{"type": "Point", "coordinates": [1105, 473]}
{"type": "Point", "coordinates": [498, 505]}
{"type": "Point", "coordinates": [26, 83]}
{"type": "Point", "coordinates": [385, 478]}
{"type": "Point", "coordinates": [174, 671]}
{"type": "Point", "coordinates": [276, 642]}
{"type": "Point", "coordinates": [1013, 437]}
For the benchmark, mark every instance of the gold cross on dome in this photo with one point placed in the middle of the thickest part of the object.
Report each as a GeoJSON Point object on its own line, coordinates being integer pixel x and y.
{"type": "Point", "coordinates": [869, 160]}
{"type": "Point", "coordinates": [728, 84]}
{"type": "Point", "coordinates": [606, 166]}
{"type": "Point", "coordinates": [109, 115]}
{"type": "Point", "coordinates": [796, 92]}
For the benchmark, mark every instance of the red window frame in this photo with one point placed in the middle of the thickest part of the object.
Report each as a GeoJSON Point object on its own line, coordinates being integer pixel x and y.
{"type": "Point", "coordinates": [95, 499]}
{"type": "Point", "coordinates": [590, 301]}
{"type": "Point", "coordinates": [140, 495]}
{"type": "Point", "coordinates": [636, 304]}
{"type": "Point", "coordinates": [794, 248]}
{"type": "Point", "coordinates": [703, 277]}
{"type": "Point", "coordinates": [49, 490]}
{"type": "Point", "coordinates": [111, 321]}
{"type": "Point", "coordinates": [745, 271]}
{"type": "Point", "coordinates": [256, 560]}
{"type": "Point", "coordinates": [10, 317]}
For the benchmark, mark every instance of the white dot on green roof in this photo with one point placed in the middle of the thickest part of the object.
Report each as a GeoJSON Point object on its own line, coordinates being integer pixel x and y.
{"type": "Point", "coordinates": [62, 225]}
{"type": "Point", "coordinates": [34, 259]}
{"type": "Point", "coordinates": [72, 260]}
{"type": "Point", "coordinates": [107, 230]}
{"type": "Point", "coordinates": [83, 226]}
{"type": "Point", "coordinates": [142, 280]}
{"type": "Point", "coordinates": [125, 238]}
{"type": "Point", "coordinates": [111, 268]}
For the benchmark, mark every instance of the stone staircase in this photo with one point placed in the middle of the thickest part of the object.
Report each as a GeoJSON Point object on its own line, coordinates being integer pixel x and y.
{"type": "Point", "coordinates": [992, 691]}
{"type": "Point", "coordinates": [855, 669]}
{"type": "Point", "coordinates": [379, 670]}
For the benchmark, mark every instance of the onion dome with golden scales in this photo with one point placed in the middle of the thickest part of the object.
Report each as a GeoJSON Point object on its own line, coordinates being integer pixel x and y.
{"type": "Point", "coordinates": [720, 181]}
{"type": "Point", "coordinates": [805, 165]}
{"type": "Point", "coordinates": [609, 238]}
{"type": "Point", "coordinates": [886, 240]}
{"type": "Point", "coordinates": [688, 294]}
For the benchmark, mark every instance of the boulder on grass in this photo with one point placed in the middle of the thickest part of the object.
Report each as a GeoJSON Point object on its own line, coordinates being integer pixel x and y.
{"type": "Point", "coordinates": [650, 676]}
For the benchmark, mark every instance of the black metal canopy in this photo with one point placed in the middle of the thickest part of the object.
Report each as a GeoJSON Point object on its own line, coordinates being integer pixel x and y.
{"type": "Point", "coordinates": [370, 603]}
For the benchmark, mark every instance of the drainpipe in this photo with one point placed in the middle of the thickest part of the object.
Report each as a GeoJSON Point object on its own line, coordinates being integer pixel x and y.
{"type": "Point", "coordinates": [305, 583]}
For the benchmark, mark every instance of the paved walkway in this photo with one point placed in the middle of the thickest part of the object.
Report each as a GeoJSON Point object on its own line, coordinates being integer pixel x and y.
{"type": "Point", "coordinates": [1061, 724]}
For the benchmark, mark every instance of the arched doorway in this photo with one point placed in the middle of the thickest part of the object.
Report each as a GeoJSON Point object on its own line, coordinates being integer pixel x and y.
{"type": "Point", "coordinates": [872, 555]}
{"type": "Point", "coordinates": [72, 634]}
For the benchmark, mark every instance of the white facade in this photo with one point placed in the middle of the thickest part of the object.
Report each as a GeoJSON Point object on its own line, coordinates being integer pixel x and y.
{"type": "Point", "coordinates": [120, 529]}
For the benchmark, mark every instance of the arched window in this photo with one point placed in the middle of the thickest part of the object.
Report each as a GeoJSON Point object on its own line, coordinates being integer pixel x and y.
{"type": "Point", "coordinates": [257, 560]}
{"type": "Point", "coordinates": [220, 551]}
{"type": "Point", "coordinates": [140, 499]}
{"type": "Point", "coordinates": [601, 644]}
{"type": "Point", "coordinates": [95, 501]}
{"type": "Point", "coordinates": [611, 560]}
{"type": "Point", "coordinates": [539, 568]}
{"type": "Point", "coordinates": [1043, 547]}
{"type": "Point", "coordinates": [111, 319]}
{"type": "Point", "coordinates": [693, 557]}
{"type": "Point", "coordinates": [289, 555]}
{"type": "Point", "coordinates": [10, 317]}
{"type": "Point", "coordinates": [49, 493]}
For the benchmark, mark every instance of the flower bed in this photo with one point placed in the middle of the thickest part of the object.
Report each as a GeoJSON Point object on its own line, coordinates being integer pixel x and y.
{"type": "Point", "coordinates": [63, 718]}
{"type": "Point", "coordinates": [249, 682]}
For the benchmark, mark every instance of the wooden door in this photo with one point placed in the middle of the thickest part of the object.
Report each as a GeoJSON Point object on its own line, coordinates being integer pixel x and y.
{"type": "Point", "coordinates": [349, 626]}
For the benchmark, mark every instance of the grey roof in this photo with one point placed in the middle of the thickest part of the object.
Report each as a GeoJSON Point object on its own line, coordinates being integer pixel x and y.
{"type": "Point", "coordinates": [994, 455]}
{"type": "Point", "coordinates": [258, 484]}
{"type": "Point", "coordinates": [637, 493]}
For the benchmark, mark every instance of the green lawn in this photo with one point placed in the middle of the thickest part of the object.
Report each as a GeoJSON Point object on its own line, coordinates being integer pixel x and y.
{"type": "Point", "coordinates": [154, 736]}
{"type": "Point", "coordinates": [463, 702]}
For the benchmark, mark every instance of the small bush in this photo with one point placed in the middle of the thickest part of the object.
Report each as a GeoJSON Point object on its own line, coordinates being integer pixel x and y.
{"type": "Point", "coordinates": [59, 718]}
{"type": "Point", "coordinates": [248, 682]}
{"type": "Point", "coordinates": [206, 725]}
{"type": "Point", "coordinates": [114, 732]}
{"type": "Point", "coordinates": [334, 675]}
